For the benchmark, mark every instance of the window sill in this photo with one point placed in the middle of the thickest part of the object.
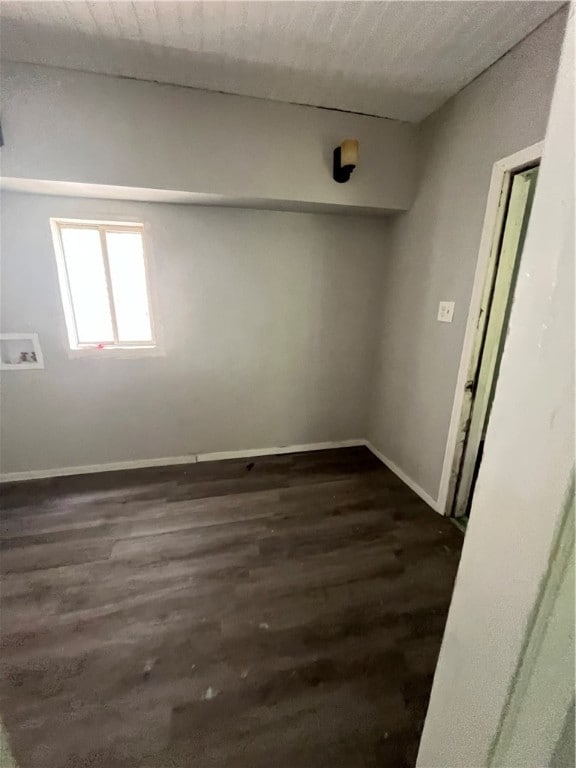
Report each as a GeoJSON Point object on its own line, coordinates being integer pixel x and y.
{"type": "Point", "coordinates": [115, 352]}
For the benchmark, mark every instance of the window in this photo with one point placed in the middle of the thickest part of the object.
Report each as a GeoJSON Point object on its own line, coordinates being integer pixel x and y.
{"type": "Point", "coordinates": [104, 284]}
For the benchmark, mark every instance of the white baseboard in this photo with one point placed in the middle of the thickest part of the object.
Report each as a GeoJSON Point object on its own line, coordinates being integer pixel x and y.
{"type": "Point", "coordinates": [405, 479]}
{"type": "Point", "coordinates": [88, 469]}
{"type": "Point", "coordinates": [38, 474]}
{"type": "Point", "coordinates": [246, 454]}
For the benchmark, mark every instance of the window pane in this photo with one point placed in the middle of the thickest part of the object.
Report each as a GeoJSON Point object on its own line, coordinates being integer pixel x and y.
{"type": "Point", "coordinates": [128, 276]}
{"type": "Point", "coordinates": [87, 282]}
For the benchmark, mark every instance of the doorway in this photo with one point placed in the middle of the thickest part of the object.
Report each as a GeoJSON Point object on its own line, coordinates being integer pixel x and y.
{"type": "Point", "coordinates": [491, 330]}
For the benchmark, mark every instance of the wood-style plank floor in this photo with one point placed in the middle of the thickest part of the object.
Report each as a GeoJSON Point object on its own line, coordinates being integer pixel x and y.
{"type": "Point", "coordinates": [281, 612]}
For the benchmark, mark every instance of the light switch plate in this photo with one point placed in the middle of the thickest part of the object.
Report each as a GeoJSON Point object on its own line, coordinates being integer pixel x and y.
{"type": "Point", "coordinates": [445, 311]}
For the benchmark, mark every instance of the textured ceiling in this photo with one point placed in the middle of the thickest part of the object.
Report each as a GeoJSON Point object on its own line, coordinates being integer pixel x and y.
{"type": "Point", "coordinates": [394, 59]}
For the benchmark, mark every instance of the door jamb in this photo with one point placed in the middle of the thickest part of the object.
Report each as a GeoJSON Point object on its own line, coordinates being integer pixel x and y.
{"type": "Point", "coordinates": [493, 222]}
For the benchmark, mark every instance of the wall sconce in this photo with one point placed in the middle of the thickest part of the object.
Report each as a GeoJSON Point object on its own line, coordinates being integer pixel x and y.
{"type": "Point", "coordinates": [345, 160]}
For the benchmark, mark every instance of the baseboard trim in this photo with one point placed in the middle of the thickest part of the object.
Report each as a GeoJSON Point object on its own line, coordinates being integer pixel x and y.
{"type": "Point", "coordinates": [87, 469]}
{"type": "Point", "coordinates": [433, 503]}
{"type": "Point", "coordinates": [277, 450]}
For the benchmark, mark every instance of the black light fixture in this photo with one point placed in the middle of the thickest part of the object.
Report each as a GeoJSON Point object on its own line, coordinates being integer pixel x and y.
{"type": "Point", "coordinates": [345, 160]}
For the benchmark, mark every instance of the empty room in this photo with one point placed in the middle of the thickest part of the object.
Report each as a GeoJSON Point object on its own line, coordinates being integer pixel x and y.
{"type": "Point", "coordinates": [287, 384]}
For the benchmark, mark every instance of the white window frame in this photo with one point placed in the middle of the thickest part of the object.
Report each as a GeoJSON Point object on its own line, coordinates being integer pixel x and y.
{"type": "Point", "coordinates": [114, 347]}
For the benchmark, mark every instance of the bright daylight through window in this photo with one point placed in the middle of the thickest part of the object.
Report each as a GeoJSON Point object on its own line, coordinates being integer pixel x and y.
{"type": "Point", "coordinates": [104, 284]}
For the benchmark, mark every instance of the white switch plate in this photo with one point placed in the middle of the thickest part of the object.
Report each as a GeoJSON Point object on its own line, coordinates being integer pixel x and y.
{"type": "Point", "coordinates": [445, 311]}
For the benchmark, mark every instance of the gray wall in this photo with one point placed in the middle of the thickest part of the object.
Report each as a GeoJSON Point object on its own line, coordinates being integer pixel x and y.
{"type": "Point", "coordinates": [504, 682]}
{"type": "Point", "coordinates": [268, 321]}
{"type": "Point", "coordinates": [278, 327]}
{"type": "Point", "coordinates": [194, 141]}
{"type": "Point", "coordinates": [434, 248]}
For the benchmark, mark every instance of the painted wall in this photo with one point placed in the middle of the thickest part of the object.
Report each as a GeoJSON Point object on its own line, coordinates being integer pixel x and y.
{"type": "Point", "coordinates": [61, 125]}
{"type": "Point", "coordinates": [434, 249]}
{"type": "Point", "coordinates": [268, 320]}
{"type": "Point", "coordinates": [524, 490]}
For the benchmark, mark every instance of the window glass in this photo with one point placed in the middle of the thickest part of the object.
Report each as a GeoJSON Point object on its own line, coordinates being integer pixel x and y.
{"type": "Point", "coordinates": [130, 292]}
{"type": "Point", "coordinates": [87, 284]}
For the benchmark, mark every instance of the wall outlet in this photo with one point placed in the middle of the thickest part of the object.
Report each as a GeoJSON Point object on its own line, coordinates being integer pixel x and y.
{"type": "Point", "coordinates": [445, 311]}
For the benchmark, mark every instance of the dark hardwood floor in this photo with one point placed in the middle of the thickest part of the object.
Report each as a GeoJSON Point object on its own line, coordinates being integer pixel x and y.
{"type": "Point", "coordinates": [279, 612]}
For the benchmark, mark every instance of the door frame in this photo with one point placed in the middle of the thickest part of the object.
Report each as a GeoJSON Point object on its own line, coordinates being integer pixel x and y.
{"type": "Point", "coordinates": [494, 219]}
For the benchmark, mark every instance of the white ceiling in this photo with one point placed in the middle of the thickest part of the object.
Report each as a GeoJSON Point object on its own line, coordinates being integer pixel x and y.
{"type": "Point", "coordinates": [399, 59]}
